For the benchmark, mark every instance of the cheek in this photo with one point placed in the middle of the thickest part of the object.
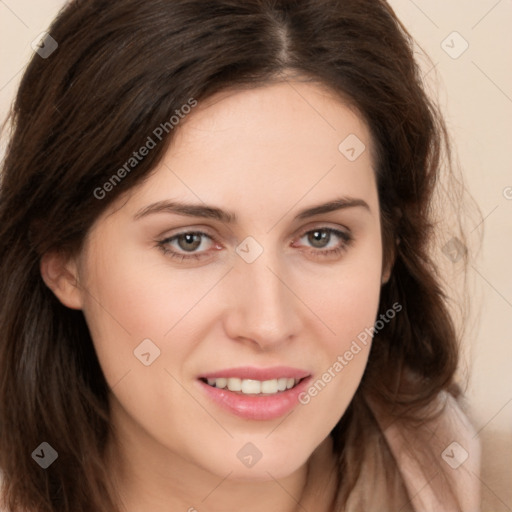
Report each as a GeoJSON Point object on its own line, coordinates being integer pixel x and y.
{"type": "Point", "coordinates": [349, 311]}
{"type": "Point", "coordinates": [134, 295]}
{"type": "Point", "coordinates": [346, 298]}
{"type": "Point", "coordinates": [345, 355]}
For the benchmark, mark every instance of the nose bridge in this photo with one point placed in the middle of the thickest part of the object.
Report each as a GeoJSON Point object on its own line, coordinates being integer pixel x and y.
{"type": "Point", "coordinates": [263, 308]}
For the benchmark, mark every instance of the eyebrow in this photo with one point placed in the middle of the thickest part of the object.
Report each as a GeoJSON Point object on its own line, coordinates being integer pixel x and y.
{"type": "Point", "coordinates": [213, 212]}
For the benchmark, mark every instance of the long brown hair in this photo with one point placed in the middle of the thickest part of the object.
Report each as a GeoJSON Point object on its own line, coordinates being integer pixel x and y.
{"type": "Point", "coordinates": [121, 69]}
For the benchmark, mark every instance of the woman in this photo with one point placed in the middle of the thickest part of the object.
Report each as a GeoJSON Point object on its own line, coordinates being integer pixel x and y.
{"type": "Point", "coordinates": [218, 293]}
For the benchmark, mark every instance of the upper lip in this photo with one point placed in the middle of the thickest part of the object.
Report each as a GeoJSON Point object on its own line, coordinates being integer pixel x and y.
{"type": "Point", "coordinates": [253, 373]}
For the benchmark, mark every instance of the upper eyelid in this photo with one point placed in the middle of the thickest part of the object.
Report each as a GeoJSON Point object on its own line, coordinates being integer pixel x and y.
{"type": "Point", "coordinates": [326, 227]}
{"type": "Point", "coordinates": [167, 238]}
{"type": "Point", "coordinates": [300, 232]}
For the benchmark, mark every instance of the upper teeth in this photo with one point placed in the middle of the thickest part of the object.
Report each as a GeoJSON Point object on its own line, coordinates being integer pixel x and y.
{"type": "Point", "coordinates": [254, 387]}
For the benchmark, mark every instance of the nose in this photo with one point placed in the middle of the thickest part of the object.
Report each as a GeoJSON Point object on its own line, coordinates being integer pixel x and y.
{"type": "Point", "coordinates": [262, 307]}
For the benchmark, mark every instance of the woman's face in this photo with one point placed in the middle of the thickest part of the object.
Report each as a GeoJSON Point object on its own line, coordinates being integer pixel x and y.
{"type": "Point", "coordinates": [226, 265]}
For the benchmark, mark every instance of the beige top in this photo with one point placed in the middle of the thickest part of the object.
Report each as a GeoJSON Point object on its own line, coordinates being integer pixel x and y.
{"type": "Point", "coordinates": [438, 468]}
{"type": "Point", "coordinates": [446, 478]}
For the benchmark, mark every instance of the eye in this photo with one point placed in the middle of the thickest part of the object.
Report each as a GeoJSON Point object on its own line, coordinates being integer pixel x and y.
{"type": "Point", "coordinates": [327, 241]}
{"type": "Point", "coordinates": [186, 245]}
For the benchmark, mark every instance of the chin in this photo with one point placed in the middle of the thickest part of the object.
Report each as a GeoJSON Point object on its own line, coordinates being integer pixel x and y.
{"type": "Point", "coordinates": [252, 465]}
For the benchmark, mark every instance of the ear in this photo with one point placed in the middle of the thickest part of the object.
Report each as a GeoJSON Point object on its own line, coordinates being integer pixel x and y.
{"type": "Point", "coordinates": [386, 275]}
{"type": "Point", "coordinates": [60, 274]}
{"type": "Point", "coordinates": [386, 272]}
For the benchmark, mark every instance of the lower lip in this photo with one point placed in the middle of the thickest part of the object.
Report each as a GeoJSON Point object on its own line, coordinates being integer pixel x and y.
{"type": "Point", "coordinates": [254, 407]}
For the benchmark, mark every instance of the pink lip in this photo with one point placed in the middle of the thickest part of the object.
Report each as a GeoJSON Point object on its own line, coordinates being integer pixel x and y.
{"type": "Point", "coordinates": [254, 407]}
{"type": "Point", "coordinates": [251, 372]}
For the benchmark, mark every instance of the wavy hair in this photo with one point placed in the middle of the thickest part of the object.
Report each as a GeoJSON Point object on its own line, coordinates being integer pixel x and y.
{"type": "Point", "coordinates": [124, 67]}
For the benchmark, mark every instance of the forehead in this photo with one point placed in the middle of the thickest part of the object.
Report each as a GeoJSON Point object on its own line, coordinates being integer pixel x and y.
{"type": "Point", "coordinates": [274, 115]}
{"type": "Point", "coordinates": [272, 145]}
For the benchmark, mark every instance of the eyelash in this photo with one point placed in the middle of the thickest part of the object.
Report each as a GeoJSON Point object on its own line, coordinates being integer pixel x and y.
{"type": "Point", "coordinates": [346, 238]}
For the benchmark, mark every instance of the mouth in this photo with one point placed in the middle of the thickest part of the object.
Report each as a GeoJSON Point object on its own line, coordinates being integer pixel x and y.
{"type": "Point", "coordinates": [252, 386]}
{"type": "Point", "coordinates": [255, 393]}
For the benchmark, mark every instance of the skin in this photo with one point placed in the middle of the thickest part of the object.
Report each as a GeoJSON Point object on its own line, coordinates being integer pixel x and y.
{"type": "Point", "coordinates": [264, 154]}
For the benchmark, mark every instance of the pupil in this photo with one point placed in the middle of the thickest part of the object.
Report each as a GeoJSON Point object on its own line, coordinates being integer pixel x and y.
{"type": "Point", "coordinates": [192, 240]}
{"type": "Point", "coordinates": [318, 238]}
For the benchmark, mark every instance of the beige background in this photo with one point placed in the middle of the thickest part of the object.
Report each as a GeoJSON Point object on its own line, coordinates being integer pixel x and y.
{"type": "Point", "coordinates": [475, 93]}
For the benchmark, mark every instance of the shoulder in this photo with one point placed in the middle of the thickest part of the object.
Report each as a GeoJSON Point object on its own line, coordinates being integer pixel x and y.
{"type": "Point", "coordinates": [439, 460]}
